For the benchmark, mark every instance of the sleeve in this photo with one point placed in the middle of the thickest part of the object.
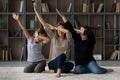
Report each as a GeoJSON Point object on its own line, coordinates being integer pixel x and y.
{"type": "Point", "coordinates": [48, 31]}
{"type": "Point", "coordinates": [91, 37]}
{"type": "Point", "coordinates": [69, 26]}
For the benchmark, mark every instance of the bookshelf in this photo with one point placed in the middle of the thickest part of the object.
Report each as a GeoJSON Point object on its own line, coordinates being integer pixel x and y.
{"type": "Point", "coordinates": [104, 20]}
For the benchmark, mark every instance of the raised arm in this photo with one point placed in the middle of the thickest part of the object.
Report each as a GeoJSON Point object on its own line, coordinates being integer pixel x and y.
{"type": "Point", "coordinates": [64, 18]}
{"type": "Point", "coordinates": [61, 29]}
{"type": "Point", "coordinates": [16, 17]}
{"type": "Point", "coordinates": [40, 18]}
{"type": "Point", "coordinates": [44, 39]}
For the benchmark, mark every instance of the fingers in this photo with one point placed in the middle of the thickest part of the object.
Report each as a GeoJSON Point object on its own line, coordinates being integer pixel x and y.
{"type": "Point", "coordinates": [15, 16]}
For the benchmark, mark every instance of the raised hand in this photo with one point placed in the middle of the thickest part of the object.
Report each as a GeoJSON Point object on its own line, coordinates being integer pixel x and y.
{"type": "Point", "coordinates": [15, 16]}
{"type": "Point", "coordinates": [60, 14]}
{"type": "Point", "coordinates": [35, 6]}
{"type": "Point", "coordinates": [64, 18]}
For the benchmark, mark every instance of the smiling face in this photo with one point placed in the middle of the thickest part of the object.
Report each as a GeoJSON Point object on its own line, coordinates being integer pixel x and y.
{"type": "Point", "coordinates": [59, 33]}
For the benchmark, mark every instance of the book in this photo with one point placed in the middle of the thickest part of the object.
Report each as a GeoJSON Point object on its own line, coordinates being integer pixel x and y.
{"type": "Point", "coordinates": [3, 55]}
{"type": "Point", "coordinates": [6, 55]}
{"type": "Point", "coordinates": [85, 7]}
{"type": "Point", "coordinates": [19, 33]}
{"type": "Point", "coordinates": [47, 8]}
{"type": "Point", "coordinates": [100, 7]}
{"type": "Point", "coordinates": [69, 8]}
{"type": "Point", "coordinates": [21, 6]}
{"type": "Point", "coordinates": [32, 24]}
{"type": "Point", "coordinates": [6, 7]}
{"type": "Point", "coordinates": [10, 54]}
{"type": "Point", "coordinates": [115, 39]}
{"type": "Point", "coordinates": [113, 6]}
{"type": "Point", "coordinates": [97, 56]}
{"type": "Point", "coordinates": [115, 55]}
{"type": "Point", "coordinates": [92, 6]}
{"type": "Point", "coordinates": [118, 7]}
{"type": "Point", "coordinates": [44, 7]}
{"type": "Point", "coordinates": [107, 25]}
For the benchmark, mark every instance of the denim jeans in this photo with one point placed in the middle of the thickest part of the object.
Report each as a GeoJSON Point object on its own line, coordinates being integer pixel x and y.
{"type": "Point", "coordinates": [59, 62]}
{"type": "Point", "coordinates": [91, 67]}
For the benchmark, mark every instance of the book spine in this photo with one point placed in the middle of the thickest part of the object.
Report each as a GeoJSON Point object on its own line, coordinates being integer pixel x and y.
{"type": "Point", "coordinates": [84, 7]}
{"type": "Point", "coordinates": [113, 6]}
{"type": "Point", "coordinates": [100, 7]}
{"type": "Point", "coordinates": [69, 8]}
{"type": "Point", "coordinates": [3, 55]}
{"type": "Point", "coordinates": [93, 7]}
{"type": "Point", "coordinates": [21, 6]}
{"type": "Point", "coordinates": [32, 24]}
{"type": "Point", "coordinates": [47, 8]}
{"type": "Point", "coordinates": [6, 56]}
{"type": "Point", "coordinates": [107, 25]}
{"type": "Point", "coordinates": [10, 54]}
{"type": "Point", "coordinates": [43, 7]}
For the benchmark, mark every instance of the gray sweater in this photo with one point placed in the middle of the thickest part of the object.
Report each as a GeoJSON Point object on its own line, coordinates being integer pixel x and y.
{"type": "Point", "coordinates": [57, 47]}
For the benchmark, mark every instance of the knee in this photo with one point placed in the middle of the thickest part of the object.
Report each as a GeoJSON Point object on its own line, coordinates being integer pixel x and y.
{"type": "Point", "coordinates": [63, 56]}
{"type": "Point", "coordinates": [77, 70]}
{"type": "Point", "coordinates": [27, 70]}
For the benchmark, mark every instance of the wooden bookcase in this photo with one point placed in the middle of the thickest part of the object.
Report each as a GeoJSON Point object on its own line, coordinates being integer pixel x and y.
{"type": "Point", "coordinates": [16, 45]}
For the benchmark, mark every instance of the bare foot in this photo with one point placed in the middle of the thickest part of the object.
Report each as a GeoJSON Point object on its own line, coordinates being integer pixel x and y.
{"type": "Point", "coordinates": [58, 73]}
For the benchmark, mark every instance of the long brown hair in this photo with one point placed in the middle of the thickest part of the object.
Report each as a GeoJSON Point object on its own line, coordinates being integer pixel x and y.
{"type": "Point", "coordinates": [85, 27]}
{"type": "Point", "coordinates": [56, 33]}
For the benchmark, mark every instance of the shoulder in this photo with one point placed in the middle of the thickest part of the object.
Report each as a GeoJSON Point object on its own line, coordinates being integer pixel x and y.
{"type": "Point", "coordinates": [30, 39]}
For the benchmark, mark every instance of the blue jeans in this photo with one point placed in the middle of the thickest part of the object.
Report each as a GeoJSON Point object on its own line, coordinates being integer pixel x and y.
{"type": "Point", "coordinates": [91, 67]}
{"type": "Point", "coordinates": [59, 62]}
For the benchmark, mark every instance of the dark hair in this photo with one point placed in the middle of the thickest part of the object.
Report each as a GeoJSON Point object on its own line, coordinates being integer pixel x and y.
{"type": "Point", "coordinates": [41, 31]}
{"type": "Point", "coordinates": [85, 26]}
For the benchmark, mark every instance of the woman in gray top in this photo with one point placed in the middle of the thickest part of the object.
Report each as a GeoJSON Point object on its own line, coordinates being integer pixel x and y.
{"type": "Point", "coordinates": [34, 44]}
{"type": "Point", "coordinates": [59, 47]}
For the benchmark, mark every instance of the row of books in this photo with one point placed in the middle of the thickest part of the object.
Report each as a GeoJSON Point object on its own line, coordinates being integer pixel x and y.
{"type": "Point", "coordinates": [45, 7]}
{"type": "Point", "coordinates": [92, 7]}
{"type": "Point", "coordinates": [115, 55]}
{"type": "Point", "coordinates": [19, 33]}
{"type": "Point", "coordinates": [6, 55]}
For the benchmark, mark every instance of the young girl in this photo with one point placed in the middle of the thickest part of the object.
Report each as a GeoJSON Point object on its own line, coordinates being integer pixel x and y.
{"type": "Point", "coordinates": [59, 47]}
{"type": "Point", "coordinates": [84, 41]}
{"type": "Point", "coordinates": [34, 44]}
